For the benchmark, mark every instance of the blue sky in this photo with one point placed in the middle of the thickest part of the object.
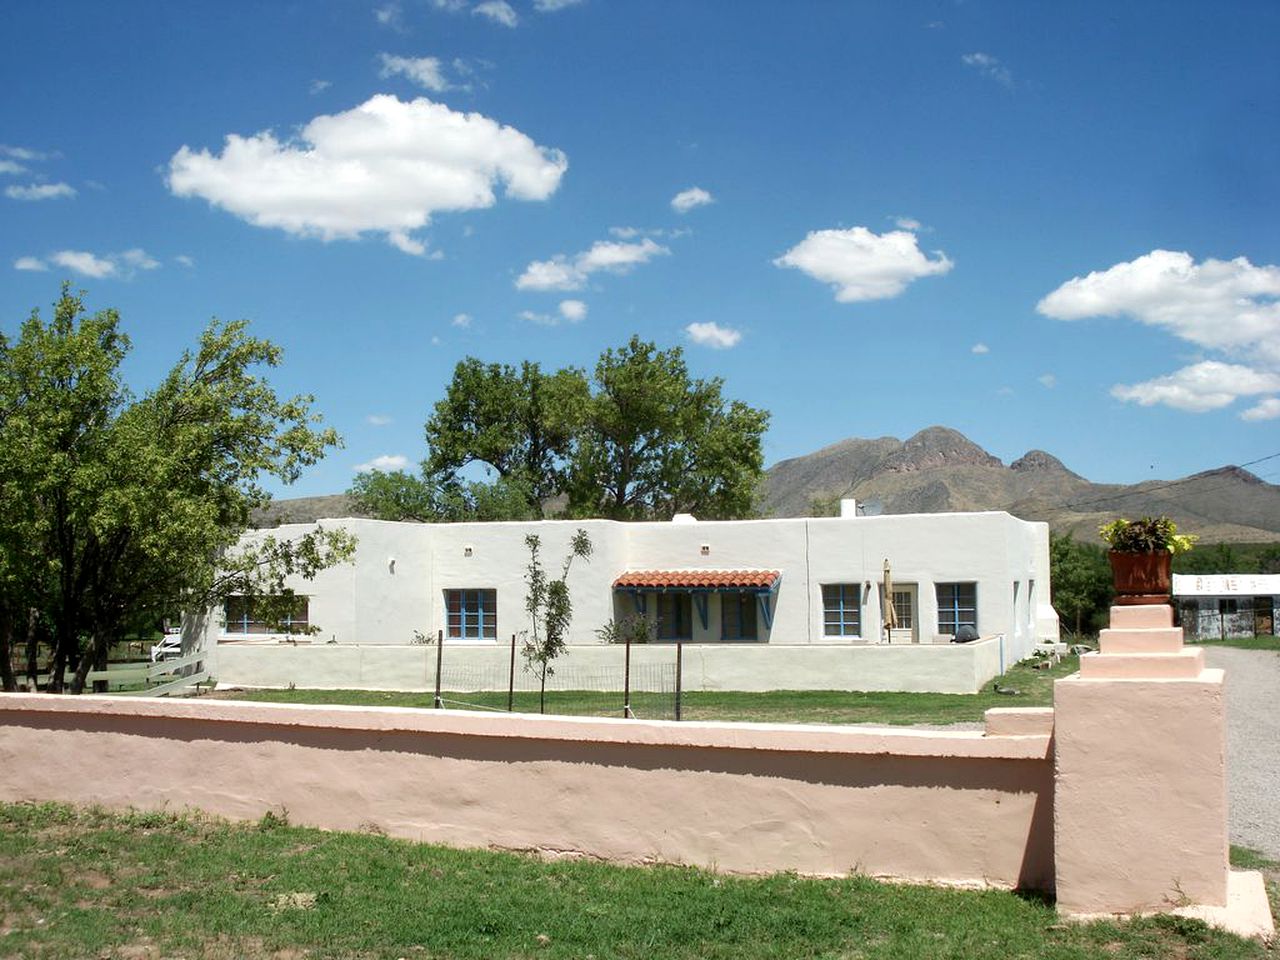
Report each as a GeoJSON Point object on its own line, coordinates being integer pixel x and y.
{"type": "Point", "coordinates": [1046, 225]}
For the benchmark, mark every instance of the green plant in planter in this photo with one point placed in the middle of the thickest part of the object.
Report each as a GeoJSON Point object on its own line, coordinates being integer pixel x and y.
{"type": "Point", "coordinates": [1146, 535]}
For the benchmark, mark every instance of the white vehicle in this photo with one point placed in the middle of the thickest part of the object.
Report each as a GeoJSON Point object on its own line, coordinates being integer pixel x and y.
{"type": "Point", "coordinates": [168, 648]}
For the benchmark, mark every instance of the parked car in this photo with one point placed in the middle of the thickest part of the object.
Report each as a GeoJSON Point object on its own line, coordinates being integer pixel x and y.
{"type": "Point", "coordinates": [168, 648]}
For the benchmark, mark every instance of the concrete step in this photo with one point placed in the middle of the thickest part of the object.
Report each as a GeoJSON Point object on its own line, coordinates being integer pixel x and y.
{"type": "Point", "coordinates": [1184, 665]}
{"type": "Point", "coordinates": [1143, 616]}
{"type": "Point", "coordinates": [1141, 640]}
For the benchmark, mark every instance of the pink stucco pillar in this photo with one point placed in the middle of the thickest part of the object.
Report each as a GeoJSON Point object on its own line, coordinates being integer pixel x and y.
{"type": "Point", "coordinates": [1140, 804]}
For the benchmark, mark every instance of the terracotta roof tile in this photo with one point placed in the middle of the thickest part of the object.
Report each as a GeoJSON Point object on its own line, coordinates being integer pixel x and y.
{"type": "Point", "coordinates": [698, 579]}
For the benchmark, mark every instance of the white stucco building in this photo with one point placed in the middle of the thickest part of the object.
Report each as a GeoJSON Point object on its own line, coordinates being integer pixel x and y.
{"type": "Point", "coordinates": [759, 604]}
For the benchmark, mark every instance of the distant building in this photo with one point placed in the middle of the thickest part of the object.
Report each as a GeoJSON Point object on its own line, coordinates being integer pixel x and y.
{"type": "Point", "coordinates": [1227, 605]}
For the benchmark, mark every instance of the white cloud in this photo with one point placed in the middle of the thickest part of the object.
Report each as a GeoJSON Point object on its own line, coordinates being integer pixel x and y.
{"type": "Point", "coordinates": [1268, 409]}
{"type": "Point", "coordinates": [625, 233]}
{"type": "Point", "coordinates": [424, 71]}
{"type": "Point", "coordinates": [385, 463]}
{"type": "Point", "coordinates": [389, 15]}
{"type": "Point", "coordinates": [184, 260]}
{"type": "Point", "coordinates": [979, 348]}
{"type": "Point", "coordinates": [22, 153]}
{"type": "Point", "coordinates": [435, 341]}
{"type": "Point", "coordinates": [542, 319]}
{"type": "Point", "coordinates": [711, 334]}
{"type": "Point", "coordinates": [989, 66]}
{"type": "Point", "coordinates": [122, 265]}
{"type": "Point", "coordinates": [563, 273]}
{"type": "Point", "coordinates": [1208, 385]}
{"type": "Point", "coordinates": [1229, 307]}
{"type": "Point", "coordinates": [686, 200]}
{"type": "Point", "coordinates": [862, 265]}
{"type": "Point", "coordinates": [377, 420]}
{"type": "Point", "coordinates": [551, 6]}
{"type": "Point", "coordinates": [575, 311]}
{"type": "Point", "coordinates": [40, 191]}
{"type": "Point", "coordinates": [30, 263]}
{"type": "Point", "coordinates": [462, 320]}
{"type": "Point", "coordinates": [908, 223]}
{"type": "Point", "coordinates": [11, 166]}
{"type": "Point", "coordinates": [499, 11]}
{"type": "Point", "coordinates": [386, 166]}
{"type": "Point", "coordinates": [320, 86]}
{"type": "Point", "coordinates": [1047, 380]}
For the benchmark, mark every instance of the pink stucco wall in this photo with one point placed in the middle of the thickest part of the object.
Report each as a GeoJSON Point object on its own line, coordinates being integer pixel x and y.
{"type": "Point", "coordinates": [942, 806]}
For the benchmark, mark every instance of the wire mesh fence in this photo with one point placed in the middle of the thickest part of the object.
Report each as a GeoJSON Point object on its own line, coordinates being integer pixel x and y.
{"type": "Point", "coordinates": [645, 691]}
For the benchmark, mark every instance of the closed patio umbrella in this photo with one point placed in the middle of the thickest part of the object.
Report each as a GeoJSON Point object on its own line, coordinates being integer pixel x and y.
{"type": "Point", "coordinates": [889, 612]}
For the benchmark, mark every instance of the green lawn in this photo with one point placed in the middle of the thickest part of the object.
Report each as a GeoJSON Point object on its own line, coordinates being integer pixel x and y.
{"type": "Point", "coordinates": [1035, 689]}
{"type": "Point", "coordinates": [1244, 643]}
{"type": "Point", "coordinates": [85, 883]}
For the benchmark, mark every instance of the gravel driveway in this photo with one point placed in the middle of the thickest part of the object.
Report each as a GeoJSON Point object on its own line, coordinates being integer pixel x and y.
{"type": "Point", "coordinates": [1253, 745]}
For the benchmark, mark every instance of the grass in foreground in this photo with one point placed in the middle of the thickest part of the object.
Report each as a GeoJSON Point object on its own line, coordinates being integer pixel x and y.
{"type": "Point", "coordinates": [1035, 689]}
{"type": "Point", "coordinates": [85, 883]}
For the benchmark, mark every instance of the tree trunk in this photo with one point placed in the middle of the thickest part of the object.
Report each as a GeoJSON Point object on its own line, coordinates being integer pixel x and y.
{"type": "Point", "coordinates": [33, 649]}
{"type": "Point", "coordinates": [7, 680]}
{"type": "Point", "coordinates": [97, 653]}
{"type": "Point", "coordinates": [542, 692]}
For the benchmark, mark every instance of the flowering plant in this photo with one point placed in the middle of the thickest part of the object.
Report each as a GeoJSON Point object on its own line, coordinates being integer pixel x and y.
{"type": "Point", "coordinates": [1146, 535]}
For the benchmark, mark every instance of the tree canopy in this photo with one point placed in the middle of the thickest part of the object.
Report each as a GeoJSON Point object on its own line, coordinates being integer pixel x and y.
{"type": "Point", "coordinates": [639, 439]}
{"type": "Point", "coordinates": [120, 510]}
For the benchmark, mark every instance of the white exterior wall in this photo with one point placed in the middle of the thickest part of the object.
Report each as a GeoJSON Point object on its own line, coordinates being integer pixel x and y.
{"type": "Point", "coordinates": [374, 601]}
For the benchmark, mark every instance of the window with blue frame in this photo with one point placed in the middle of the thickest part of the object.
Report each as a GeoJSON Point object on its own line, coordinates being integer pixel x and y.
{"type": "Point", "coordinates": [675, 616]}
{"type": "Point", "coordinates": [738, 616]}
{"type": "Point", "coordinates": [472, 614]}
{"type": "Point", "coordinates": [246, 617]}
{"type": "Point", "coordinates": [957, 606]}
{"type": "Point", "coordinates": [842, 610]}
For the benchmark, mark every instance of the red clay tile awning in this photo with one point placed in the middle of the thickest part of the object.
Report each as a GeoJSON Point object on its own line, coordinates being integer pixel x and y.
{"type": "Point", "coordinates": [758, 581]}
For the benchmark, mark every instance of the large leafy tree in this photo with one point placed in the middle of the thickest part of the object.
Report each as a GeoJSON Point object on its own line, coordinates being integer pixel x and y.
{"type": "Point", "coordinates": [118, 510]}
{"type": "Point", "coordinates": [1081, 582]}
{"type": "Point", "coordinates": [658, 442]}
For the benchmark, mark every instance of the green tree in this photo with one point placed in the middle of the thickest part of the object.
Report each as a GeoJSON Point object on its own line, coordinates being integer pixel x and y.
{"type": "Point", "coordinates": [119, 510]}
{"type": "Point", "coordinates": [425, 498]}
{"type": "Point", "coordinates": [1081, 582]}
{"type": "Point", "coordinates": [657, 442]}
{"type": "Point", "coordinates": [521, 423]}
{"type": "Point", "coordinates": [550, 609]}
{"type": "Point", "coordinates": [1215, 558]}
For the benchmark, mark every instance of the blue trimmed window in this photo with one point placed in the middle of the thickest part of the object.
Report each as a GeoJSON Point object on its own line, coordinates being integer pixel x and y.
{"type": "Point", "coordinates": [242, 618]}
{"type": "Point", "coordinates": [842, 610]}
{"type": "Point", "coordinates": [472, 614]}
{"type": "Point", "coordinates": [675, 616]}
{"type": "Point", "coordinates": [957, 606]}
{"type": "Point", "coordinates": [738, 616]}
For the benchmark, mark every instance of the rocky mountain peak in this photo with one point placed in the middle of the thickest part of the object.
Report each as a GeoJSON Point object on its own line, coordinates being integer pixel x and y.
{"type": "Point", "coordinates": [1037, 461]}
{"type": "Point", "coordinates": [938, 447]}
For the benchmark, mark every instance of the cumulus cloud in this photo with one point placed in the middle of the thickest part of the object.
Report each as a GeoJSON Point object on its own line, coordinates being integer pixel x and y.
{"type": "Point", "coordinates": [377, 420]}
{"type": "Point", "coordinates": [1047, 380]}
{"type": "Point", "coordinates": [40, 191]}
{"type": "Point", "coordinates": [907, 223]}
{"type": "Point", "coordinates": [1228, 307]}
{"type": "Point", "coordinates": [389, 15]}
{"type": "Point", "coordinates": [1208, 385]}
{"type": "Point", "coordinates": [711, 334]}
{"type": "Point", "coordinates": [386, 166]}
{"type": "Point", "coordinates": [551, 6]}
{"type": "Point", "coordinates": [462, 320]}
{"type": "Point", "coordinates": [184, 260]}
{"type": "Point", "coordinates": [119, 265]}
{"type": "Point", "coordinates": [11, 166]}
{"type": "Point", "coordinates": [979, 348]}
{"type": "Point", "coordinates": [426, 72]}
{"type": "Point", "coordinates": [575, 311]}
{"type": "Point", "coordinates": [384, 464]}
{"type": "Point", "coordinates": [686, 200]}
{"type": "Point", "coordinates": [319, 86]}
{"type": "Point", "coordinates": [1268, 409]}
{"type": "Point", "coordinates": [498, 11]}
{"type": "Point", "coordinates": [989, 66]}
{"type": "Point", "coordinates": [571, 273]}
{"type": "Point", "coordinates": [862, 265]}
{"type": "Point", "coordinates": [30, 263]}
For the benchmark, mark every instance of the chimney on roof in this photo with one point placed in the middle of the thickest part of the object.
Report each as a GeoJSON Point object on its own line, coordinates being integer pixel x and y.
{"type": "Point", "coordinates": [848, 508]}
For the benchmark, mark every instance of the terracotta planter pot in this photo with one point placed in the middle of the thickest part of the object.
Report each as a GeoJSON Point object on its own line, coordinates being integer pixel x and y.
{"type": "Point", "coordinates": [1141, 577]}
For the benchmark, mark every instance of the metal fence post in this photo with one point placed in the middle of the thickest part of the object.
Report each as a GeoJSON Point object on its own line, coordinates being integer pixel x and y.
{"type": "Point", "coordinates": [511, 678]}
{"type": "Point", "coordinates": [679, 674]}
{"type": "Point", "coordinates": [439, 663]}
{"type": "Point", "coordinates": [626, 683]}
